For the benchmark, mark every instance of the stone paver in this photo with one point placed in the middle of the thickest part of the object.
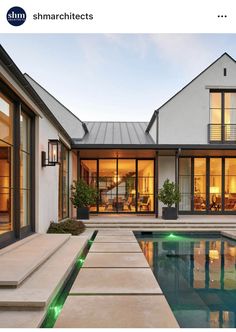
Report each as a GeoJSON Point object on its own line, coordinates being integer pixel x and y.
{"type": "Point", "coordinates": [129, 260]}
{"type": "Point", "coordinates": [115, 247]}
{"type": "Point", "coordinates": [113, 238]}
{"type": "Point", "coordinates": [116, 232]}
{"type": "Point", "coordinates": [134, 311]}
{"type": "Point", "coordinates": [38, 290]}
{"type": "Point", "coordinates": [115, 281]}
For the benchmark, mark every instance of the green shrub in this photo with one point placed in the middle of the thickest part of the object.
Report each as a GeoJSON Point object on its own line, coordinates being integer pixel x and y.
{"type": "Point", "coordinates": [169, 194]}
{"type": "Point", "coordinates": [69, 226]}
{"type": "Point", "coordinates": [82, 195]}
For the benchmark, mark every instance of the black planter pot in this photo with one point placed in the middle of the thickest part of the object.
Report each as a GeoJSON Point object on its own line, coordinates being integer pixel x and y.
{"type": "Point", "coordinates": [169, 213]}
{"type": "Point", "coordinates": [83, 213]}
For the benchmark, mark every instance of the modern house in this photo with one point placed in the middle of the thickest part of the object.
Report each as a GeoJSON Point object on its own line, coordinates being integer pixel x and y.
{"type": "Point", "coordinates": [191, 140]}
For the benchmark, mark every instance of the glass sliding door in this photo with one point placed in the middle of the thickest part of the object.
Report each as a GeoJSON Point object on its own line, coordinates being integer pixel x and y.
{"type": "Point", "coordinates": [124, 185]}
{"type": "Point", "coordinates": [185, 184]}
{"type": "Point", "coordinates": [199, 184]}
{"type": "Point", "coordinates": [215, 202]}
{"type": "Point", "coordinates": [107, 182]}
{"type": "Point", "coordinates": [145, 174]}
{"type": "Point", "coordinates": [126, 200]}
{"type": "Point", "coordinates": [230, 184]}
{"type": "Point", "coordinates": [6, 165]}
{"type": "Point", "coordinates": [89, 175]}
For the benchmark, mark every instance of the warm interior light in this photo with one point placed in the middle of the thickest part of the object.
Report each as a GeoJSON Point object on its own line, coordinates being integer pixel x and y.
{"type": "Point", "coordinates": [214, 254]}
{"type": "Point", "coordinates": [214, 190]}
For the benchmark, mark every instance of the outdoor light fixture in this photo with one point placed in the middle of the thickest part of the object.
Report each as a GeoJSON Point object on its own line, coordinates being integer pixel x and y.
{"type": "Point", "coordinates": [54, 153]}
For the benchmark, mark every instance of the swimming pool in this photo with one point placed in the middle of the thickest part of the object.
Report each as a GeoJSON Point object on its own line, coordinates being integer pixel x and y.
{"type": "Point", "coordinates": [197, 274]}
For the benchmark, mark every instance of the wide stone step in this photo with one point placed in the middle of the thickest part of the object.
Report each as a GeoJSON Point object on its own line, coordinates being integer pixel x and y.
{"type": "Point", "coordinates": [21, 318]}
{"type": "Point", "coordinates": [17, 264]}
{"type": "Point", "coordinates": [38, 290]}
{"type": "Point", "coordinates": [158, 226]}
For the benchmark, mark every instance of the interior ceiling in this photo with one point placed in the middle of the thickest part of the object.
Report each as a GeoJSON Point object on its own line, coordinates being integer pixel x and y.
{"type": "Point", "coordinates": [124, 165]}
{"type": "Point", "coordinates": [118, 153]}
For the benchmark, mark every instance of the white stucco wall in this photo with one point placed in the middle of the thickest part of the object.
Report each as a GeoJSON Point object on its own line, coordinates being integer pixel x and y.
{"type": "Point", "coordinates": [47, 180]}
{"type": "Point", "coordinates": [153, 131]}
{"type": "Point", "coordinates": [166, 170]}
{"type": "Point", "coordinates": [184, 119]}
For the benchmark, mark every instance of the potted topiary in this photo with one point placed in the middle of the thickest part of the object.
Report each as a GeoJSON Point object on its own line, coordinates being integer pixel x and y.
{"type": "Point", "coordinates": [82, 196]}
{"type": "Point", "coordinates": [169, 194]}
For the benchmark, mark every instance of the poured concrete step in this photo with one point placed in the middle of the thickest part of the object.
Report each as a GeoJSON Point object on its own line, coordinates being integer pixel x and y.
{"type": "Point", "coordinates": [17, 264]}
{"type": "Point", "coordinates": [38, 290]}
{"type": "Point", "coordinates": [118, 311]}
{"type": "Point", "coordinates": [211, 226]}
{"type": "Point", "coordinates": [115, 281]}
{"type": "Point", "coordinates": [115, 260]}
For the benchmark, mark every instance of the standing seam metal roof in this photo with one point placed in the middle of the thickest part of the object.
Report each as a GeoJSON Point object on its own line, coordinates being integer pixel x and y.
{"type": "Point", "coordinates": [116, 133]}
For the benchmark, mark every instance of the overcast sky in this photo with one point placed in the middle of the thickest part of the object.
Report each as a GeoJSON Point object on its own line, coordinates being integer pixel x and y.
{"type": "Point", "coordinates": [120, 77]}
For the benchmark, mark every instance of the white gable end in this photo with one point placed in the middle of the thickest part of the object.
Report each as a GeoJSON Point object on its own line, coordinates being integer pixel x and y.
{"type": "Point", "coordinates": [184, 118]}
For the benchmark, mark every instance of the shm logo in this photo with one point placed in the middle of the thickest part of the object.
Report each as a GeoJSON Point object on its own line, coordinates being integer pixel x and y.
{"type": "Point", "coordinates": [16, 16]}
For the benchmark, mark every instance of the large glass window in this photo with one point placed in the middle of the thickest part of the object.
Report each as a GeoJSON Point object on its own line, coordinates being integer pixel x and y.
{"type": "Point", "coordinates": [124, 185]}
{"type": "Point", "coordinates": [6, 165]}
{"type": "Point", "coordinates": [108, 180]}
{"type": "Point", "coordinates": [63, 184]}
{"type": "Point", "coordinates": [145, 175]}
{"type": "Point", "coordinates": [25, 157]}
{"type": "Point", "coordinates": [230, 184]}
{"type": "Point", "coordinates": [89, 174]}
{"type": "Point", "coordinates": [223, 116]}
{"type": "Point", "coordinates": [215, 184]}
{"type": "Point", "coordinates": [126, 200]}
{"type": "Point", "coordinates": [207, 172]}
{"type": "Point", "coordinates": [185, 184]}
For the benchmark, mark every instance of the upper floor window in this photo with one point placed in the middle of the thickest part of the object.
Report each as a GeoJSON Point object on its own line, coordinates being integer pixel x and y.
{"type": "Point", "coordinates": [222, 127]}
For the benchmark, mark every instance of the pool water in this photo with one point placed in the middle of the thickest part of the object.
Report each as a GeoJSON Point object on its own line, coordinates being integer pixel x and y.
{"type": "Point", "coordinates": [197, 275]}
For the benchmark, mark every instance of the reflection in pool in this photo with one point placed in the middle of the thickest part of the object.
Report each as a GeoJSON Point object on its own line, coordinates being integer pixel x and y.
{"type": "Point", "coordinates": [197, 275]}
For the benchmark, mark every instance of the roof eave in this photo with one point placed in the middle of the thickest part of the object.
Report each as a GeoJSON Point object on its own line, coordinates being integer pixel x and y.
{"type": "Point", "coordinates": [12, 67]}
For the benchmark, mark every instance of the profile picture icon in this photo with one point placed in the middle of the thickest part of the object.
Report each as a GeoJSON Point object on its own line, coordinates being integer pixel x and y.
{"type": "Point", "coordinates": [16, 16]}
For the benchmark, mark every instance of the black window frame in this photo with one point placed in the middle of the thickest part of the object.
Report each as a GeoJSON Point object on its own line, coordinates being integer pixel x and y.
{"type": "Point", "coordinates": [19, 232]}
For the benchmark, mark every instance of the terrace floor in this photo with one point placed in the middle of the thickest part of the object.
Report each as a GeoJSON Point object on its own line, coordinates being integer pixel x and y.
{"type": "Point", "coordinates": [149, 222]}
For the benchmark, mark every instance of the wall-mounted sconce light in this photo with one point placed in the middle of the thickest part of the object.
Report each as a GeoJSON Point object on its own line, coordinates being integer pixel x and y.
{"type": "Point", "coordinates": [54, 153]}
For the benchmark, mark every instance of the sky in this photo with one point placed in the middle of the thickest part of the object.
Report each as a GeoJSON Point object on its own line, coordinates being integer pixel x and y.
{"type": "Point", "coordinates": [115, 77]}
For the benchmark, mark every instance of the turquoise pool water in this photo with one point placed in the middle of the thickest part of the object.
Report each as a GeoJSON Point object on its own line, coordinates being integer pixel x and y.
{"type": "Point", "coordinates": [197, 275]}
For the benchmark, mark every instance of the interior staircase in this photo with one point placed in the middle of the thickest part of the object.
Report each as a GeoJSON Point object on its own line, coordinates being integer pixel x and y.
{"type": "Point", "coordinates": [31, 273]}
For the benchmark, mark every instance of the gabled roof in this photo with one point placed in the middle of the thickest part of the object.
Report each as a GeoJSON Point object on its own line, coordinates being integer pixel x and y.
{"type": "Point", "coordinates": [115, 133]}
{"type": "Point", "coordinates": [22, 81]}
{"type": "Point", "coordinates": [72, 124]}
{"type": "Point", "coordinates": [158, 109]}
